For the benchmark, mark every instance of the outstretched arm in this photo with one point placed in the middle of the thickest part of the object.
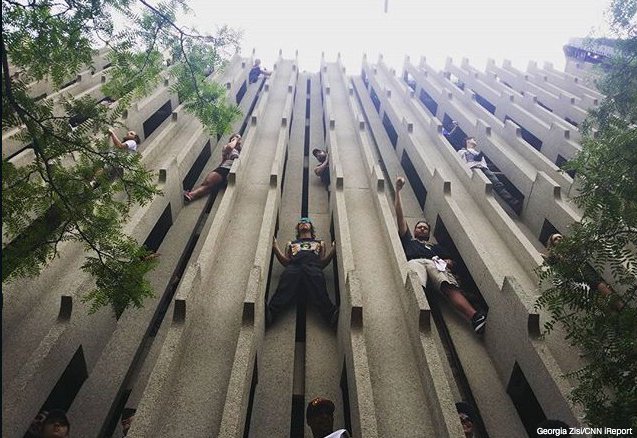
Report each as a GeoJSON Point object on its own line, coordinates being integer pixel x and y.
{"type": "Point", "coordinates": [327, 256]}
{"type": "Point", "coordinates": [398, 206]}
{"type": "Point", "coordinates": [282, 258]}
{"type": "Point", "coordinates": [116, 142]}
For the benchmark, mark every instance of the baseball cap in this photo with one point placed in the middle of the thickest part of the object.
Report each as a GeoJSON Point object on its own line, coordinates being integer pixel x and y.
{"type": "Point", "coordinates": [319, 406]}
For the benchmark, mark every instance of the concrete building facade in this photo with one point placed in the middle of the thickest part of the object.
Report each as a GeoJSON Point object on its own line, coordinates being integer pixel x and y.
{"type": "Point", "coordinates": [197, 360]}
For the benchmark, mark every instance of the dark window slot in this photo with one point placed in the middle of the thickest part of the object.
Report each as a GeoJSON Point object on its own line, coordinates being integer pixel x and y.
{"type": "Point", "coordinates": [457, 137]}
{"type": "Point", "coordinates": [308, 88]}
{"type": "Point", "coordinates": [69, 384]}
{"type": "Point", "coordinates": [153, 122]}
{"type": "Point", "coordinates": [484, 103]}
{"type": "Point", "coordinates": [527, 136]}
{"type": "Point", "coordinates": [29, 146]}
{"type": "Point", "coordinates": [40, 97]}
{"type": "Point", "coordinates": [468, 285]}
{"type": "Point", "coordinates": [409, 80]}
{"type": "Point", "coordinates": [561, 161]}
{"type": "Point", "coordinates": [30, 239]}
{"type": "Point", "coordinates": [414, 179]}
{"type": "Point", "coordinates": [297, 419]}
{"type": "Point", "coordinates": [524, 400]}
{"type": "Point", "coordinates": [347, 413]}
{"type": "Point", "coordinates": [107, 66]}
{"type": "Point", "coordinates": [197, 167]}
{"type": "Point", "coordinates": [163, 224]}
{"type": "Point", "coordinates": [391, 132]}
{"type": "Point", "coordinates": [547, 230]}
{"type": "Point", "coordinates": [428, 101]}
{"type": "Point", "coordinates": [69, 83]}
{"type": "Point", "coordinates": [241, 92]}
{"type": "Point", "coordinates": [253, 388]}
{"type": "Point", "coordinates": [375, 99]}
{"type": "Point", "coordinates": [506, 84]}
{"type": "Point", "coordinates": [307, 107]}
{"type": "Point", "coordinates": [244, 125]}
{"type": "Point", "coordinates": [119, 406]}
{"type": "Point", "coordinates": [365, 78]}
{"type": "Point", "coordinates": [571, 121]}
{"type": "Point", "coordinates": [544, 106]}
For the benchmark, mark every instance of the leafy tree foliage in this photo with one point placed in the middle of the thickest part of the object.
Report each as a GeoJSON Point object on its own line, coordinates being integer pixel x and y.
{"type": "Point", "coordinates": [61, 194]}
{"type": "Point", "coordinates": [604, 327]}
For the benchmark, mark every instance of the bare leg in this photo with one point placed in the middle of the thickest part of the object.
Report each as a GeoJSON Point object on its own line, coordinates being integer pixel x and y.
{"type": "Point", "coordinates": [459, 301]}
{"type": "Point", "coordinates": [213, 180]}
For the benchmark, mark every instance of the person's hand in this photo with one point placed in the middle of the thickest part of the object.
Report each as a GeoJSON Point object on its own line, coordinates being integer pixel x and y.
{"type": "Point", "coordinates": [274, 243]}
{"type": "Point", "coordinates": [111, 131]}
{"type": "Point", "coordinates": [333, 245]}
{"type": "Point", "coordinates": [400, 183]}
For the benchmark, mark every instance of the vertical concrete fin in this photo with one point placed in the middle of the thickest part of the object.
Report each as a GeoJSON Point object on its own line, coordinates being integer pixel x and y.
{"type": "Point", "coordinates": [512, 287]}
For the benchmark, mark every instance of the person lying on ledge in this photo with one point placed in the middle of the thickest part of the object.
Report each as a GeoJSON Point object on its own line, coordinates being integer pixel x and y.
{"type": "Point", "coordinates": [433, 264]}
{"type": "Point", "coordinates": [219, 176]}
{"type": "Point", "coordinates": [304, 259]}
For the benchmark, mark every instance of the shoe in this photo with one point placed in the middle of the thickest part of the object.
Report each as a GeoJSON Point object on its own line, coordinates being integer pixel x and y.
{"type": "Point", "coordinates": [187, 197]}
{"type": "Point", "coordinates": [478, 322]}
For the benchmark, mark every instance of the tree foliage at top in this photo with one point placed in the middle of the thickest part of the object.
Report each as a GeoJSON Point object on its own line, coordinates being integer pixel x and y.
{"type": "Point", "coordinates": [61, 194]}
{"type": "Point", "coordinates": [604, 327]}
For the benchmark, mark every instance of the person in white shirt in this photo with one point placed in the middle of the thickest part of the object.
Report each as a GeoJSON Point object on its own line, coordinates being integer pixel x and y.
{"type": "Point", "coordinates": [130, 141]}
{"type": "Point", "coordinates": [320, 417]}
{"type": "Point", "coordinates": [475, 160]}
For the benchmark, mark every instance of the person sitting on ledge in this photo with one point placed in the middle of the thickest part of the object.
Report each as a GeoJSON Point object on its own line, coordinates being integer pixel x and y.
{"type": "Point", "coordinates": [304, 260]}
{"type": "Point", "coordinates": [257, 71]}
{"type": "Point", "coordinates": [475, 160]}
{"type": "Point", "coordinates": [320, 417]}
{"type": "Point", "coordinates": [322, 170]}
{"type": "Point", "coordinates": [130, 142]}
{"type": "Point", "coordinates": [219, 176]}
{"type": "Point", "coordinates": [432, 263]}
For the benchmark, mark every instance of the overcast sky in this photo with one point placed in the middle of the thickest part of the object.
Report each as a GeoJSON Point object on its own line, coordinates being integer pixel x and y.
{"type": "Point", "coordinates": [519, 30]}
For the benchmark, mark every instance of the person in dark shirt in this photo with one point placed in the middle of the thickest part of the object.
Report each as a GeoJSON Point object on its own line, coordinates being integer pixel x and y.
{"type": "Point", "coordinates": [304, 260]}
{"type": "Point", "coordinates": [257, 71]}
{"type": "Point", "coordinates": [433, 264]}
{"type": "Point", "coordinates": [322, 170]}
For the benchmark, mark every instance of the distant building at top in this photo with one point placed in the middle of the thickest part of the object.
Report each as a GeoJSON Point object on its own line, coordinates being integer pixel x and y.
{"type": "Point", "coordinates": [583, 54]}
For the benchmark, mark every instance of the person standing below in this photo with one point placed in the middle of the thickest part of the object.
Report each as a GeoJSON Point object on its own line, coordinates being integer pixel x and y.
{"type": "Point", "coordinates": [320, 417]}
{"type": "Point", "coordinates": [322, 170]}
{"type": "Point", "coordinates": [219, 176]}
{"type": "Point", "coordinates": [434, 264]}
{"type": "Point", "coordinates": [304, 260]}
{"type": "Point", "coordinates": [257, 71]}
{"type": "Point", "coordinates": [474, 159]}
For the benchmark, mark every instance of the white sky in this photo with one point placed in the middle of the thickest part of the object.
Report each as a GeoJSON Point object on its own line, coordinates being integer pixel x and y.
{"type": "Point", "coordinates": [519, 30]}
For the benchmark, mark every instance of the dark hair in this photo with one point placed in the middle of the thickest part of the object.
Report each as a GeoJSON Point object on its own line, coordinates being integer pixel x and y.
{"type": "Point", "coordinates": [423, 221]}
{"type": "Point", "coordinates": [312, 232]}
{"type": "Point", "coordinates": [319, 406]}
{"type": "Point", "coordinates": [57, 415]}
{"type": "Point", "coordinates": [315, 150]}
{"type": "Point", "coordinates": [465, 408]}
{"type": "Point", "coordinates": [466, 139]}
{"type": "Point", "coordinates": [137, 139]}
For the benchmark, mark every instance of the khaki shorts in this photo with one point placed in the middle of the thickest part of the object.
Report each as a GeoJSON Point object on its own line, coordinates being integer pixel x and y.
{"type": "Point", "coordinates": [427, 271]}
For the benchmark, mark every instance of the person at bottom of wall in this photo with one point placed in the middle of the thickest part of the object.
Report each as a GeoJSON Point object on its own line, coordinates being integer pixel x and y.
{"type": "Point", "coordinates": [219, 176]}
{"type": "Point", "coordinates": [304, 259]}
{"type": "Point", "coordinates": [474, 159]}
{"type": "Point", "coordinates": [322, 170]}
{"type": "Point", "coordinates": [56, 425]}
{"type": "Point", "coordinates": [320, 417]}
{"type": "Point", "coordinates": [257, 71]}
{"type": "Point", "coordinates": [467, 416]}
{"type": "Point", "coordinates": [433, 264]}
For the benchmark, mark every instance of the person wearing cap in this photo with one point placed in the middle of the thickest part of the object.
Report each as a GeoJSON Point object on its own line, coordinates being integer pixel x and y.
{"type": "Point", "coordinates": [467, 416]}
{"type": "Point", "coordinates": [322, 170]}
{"type": "Point", "coordinates": [56, 425]}
{"type": "Point", "coordinates": [304, 259]}
{"type": "Point", "coordinates": [433, 264]}
{"type": "Point", "coordinates": [320, 417]}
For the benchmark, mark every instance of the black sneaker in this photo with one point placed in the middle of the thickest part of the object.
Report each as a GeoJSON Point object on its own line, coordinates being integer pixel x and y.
{"type": "Point", "coordinates": [478, 322]}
